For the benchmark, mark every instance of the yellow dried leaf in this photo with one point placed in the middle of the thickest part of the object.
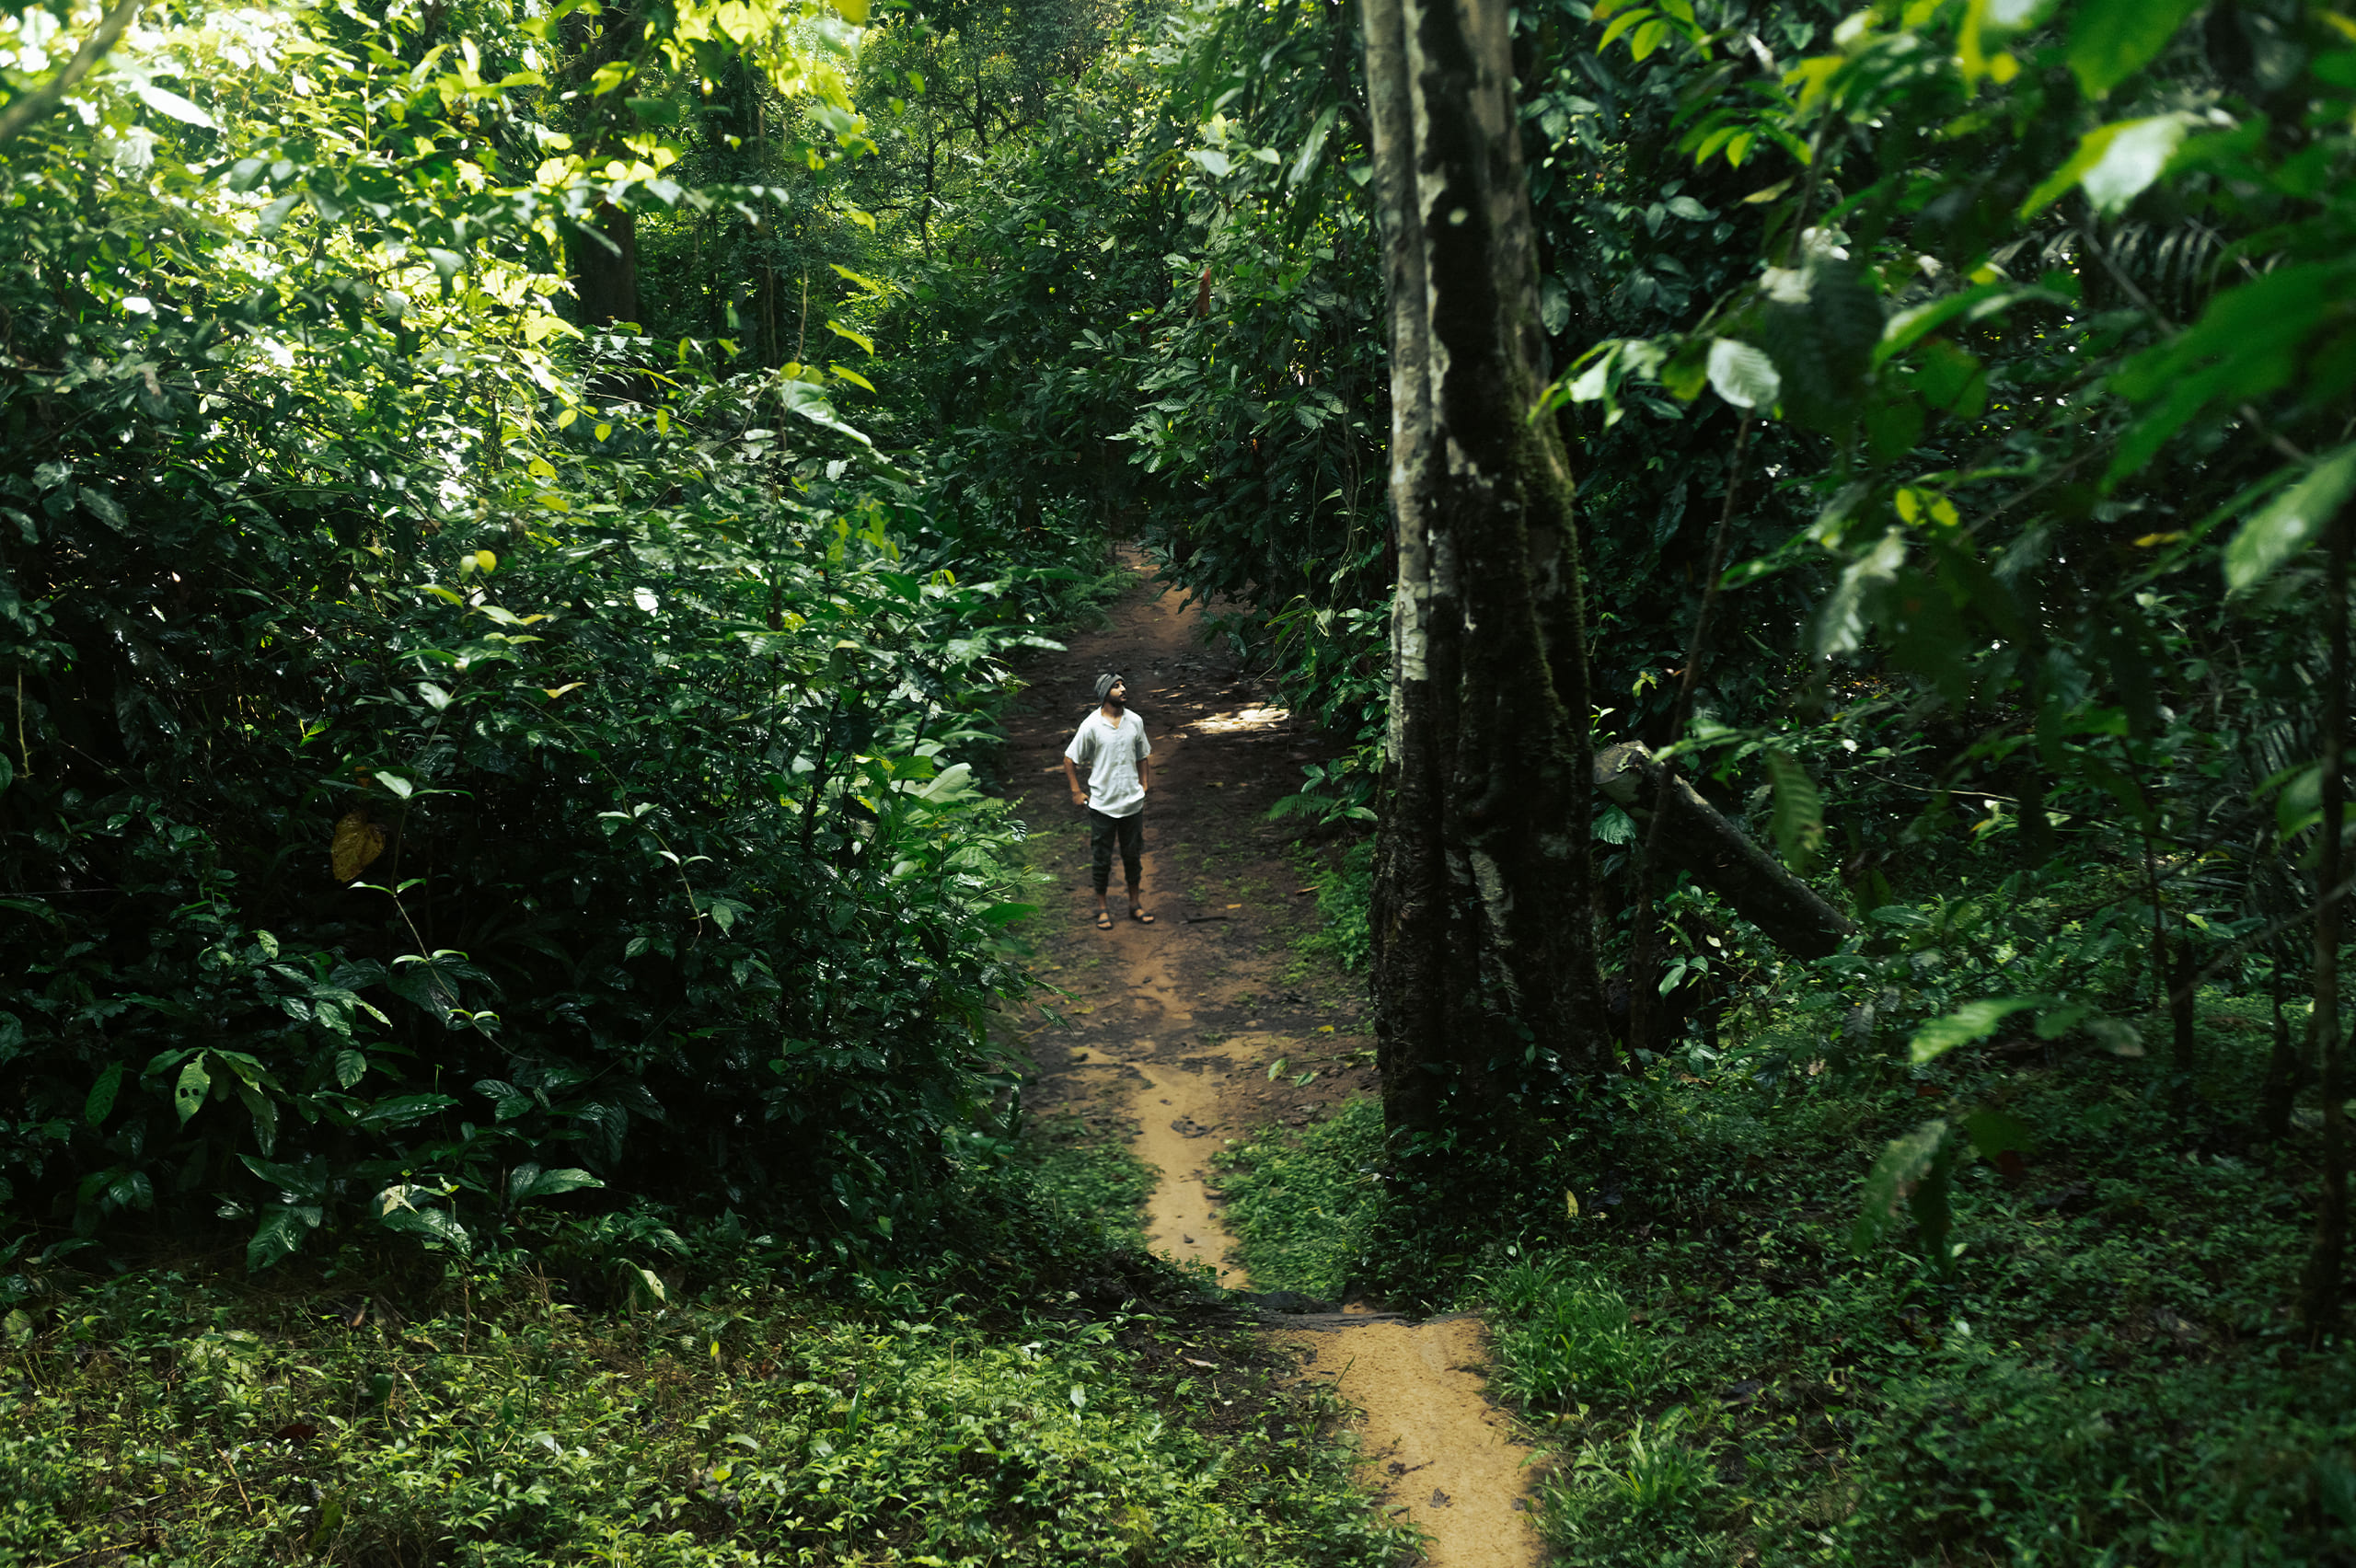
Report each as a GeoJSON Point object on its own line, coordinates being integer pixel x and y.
{"type": "Point", "coordinates": [357, 843]}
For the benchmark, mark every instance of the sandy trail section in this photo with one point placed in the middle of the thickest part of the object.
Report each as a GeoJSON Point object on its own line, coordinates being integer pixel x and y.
{"type": "Point", "coordinates": [1432, 1439]}
{"type": "Point", "coordinates": [1169, 1027]}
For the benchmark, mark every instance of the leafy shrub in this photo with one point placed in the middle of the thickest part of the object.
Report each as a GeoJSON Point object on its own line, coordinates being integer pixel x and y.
{"type": "Point", "coordinates": [740, 1425]}
{"type": "Point", "coordinates": [1632, 1499]}
{"type": "Point", "coordinates": [1562, 1335]}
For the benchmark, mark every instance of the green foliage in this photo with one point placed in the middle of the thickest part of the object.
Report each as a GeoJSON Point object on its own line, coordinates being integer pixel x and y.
{"type": "Point", "coordinates": [448, 746]}
{"type": "Point", "coordinates": [741, 1425]}
{"type": "Point", "coordinates": [1565, 1338]}
{"type": "Point", "coordinates": [1097, 1181]}
{"type": "Point", "coordinates": [1300, 1202]}
{"type": "Point", "coordinates": [2105, 1369]}
{"type": "Point", "coordinates": [1344, 892]}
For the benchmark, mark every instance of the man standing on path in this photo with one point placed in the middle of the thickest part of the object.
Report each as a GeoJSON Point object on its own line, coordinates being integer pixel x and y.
{"type": "Point", "coordinates": [1112, 746]}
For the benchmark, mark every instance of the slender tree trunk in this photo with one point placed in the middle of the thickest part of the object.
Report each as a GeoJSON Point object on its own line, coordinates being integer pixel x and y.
{"type": "Point", "coordinates": [2319, 1304]}
{"type": "Point", "coordinates": [603, 255]}
{"type": "Point", "coordinates": [605, 274]}
{"type": "Point", "coordinates": [1484, 954]}
{"type": "Point", "coordinates": [2283, 1064]}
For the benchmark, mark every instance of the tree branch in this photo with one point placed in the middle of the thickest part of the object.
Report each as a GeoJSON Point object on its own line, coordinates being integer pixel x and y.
{"type": "Point", "coordinates": [35, 105]}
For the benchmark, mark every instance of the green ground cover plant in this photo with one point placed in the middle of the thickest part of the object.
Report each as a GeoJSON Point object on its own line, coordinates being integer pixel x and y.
{"type": "Point", "coordinates": [1092, 1175]}
{"type": "Point", "coordinates": [1298, 1202]}
{"type": "Point", "coordinates": [2105, 1369]}
{"type": "Point", "coordinates": [662, 1401]}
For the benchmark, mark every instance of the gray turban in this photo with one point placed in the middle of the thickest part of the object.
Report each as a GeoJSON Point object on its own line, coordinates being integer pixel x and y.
{"type": "Point", "coordinates": [1105, 684]}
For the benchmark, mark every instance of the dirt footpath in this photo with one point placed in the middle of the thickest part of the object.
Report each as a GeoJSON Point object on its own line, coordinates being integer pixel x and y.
{"type": "Point", "coordinates": [1165, 1032]}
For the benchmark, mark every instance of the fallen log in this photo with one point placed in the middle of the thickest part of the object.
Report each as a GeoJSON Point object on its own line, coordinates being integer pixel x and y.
{"type": "Point", "coordinates": [1700, 839]}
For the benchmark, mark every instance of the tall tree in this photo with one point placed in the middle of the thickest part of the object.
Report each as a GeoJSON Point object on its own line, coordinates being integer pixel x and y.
{"type": "Point", "coordinates": [1485, 953]}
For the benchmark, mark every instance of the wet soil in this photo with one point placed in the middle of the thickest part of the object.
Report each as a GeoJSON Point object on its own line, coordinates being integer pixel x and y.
{"type": "Point", "coordinates": [1164, 1033]}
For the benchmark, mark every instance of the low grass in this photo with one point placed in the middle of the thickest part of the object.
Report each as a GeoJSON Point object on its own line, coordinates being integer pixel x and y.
{"type": "Point", "coordinates": [2105, 1373]}
{"type": "Point", "coordinates": [1090, 1173]}
{"type": "Point", "coordinates": [439, 1413]}
{"type": "Point", "coordinates": [1299, 1203]}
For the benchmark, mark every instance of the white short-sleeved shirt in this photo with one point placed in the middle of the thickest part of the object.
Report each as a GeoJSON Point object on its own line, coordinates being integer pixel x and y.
{"type": "Point", "coordinates": [1107, 752]}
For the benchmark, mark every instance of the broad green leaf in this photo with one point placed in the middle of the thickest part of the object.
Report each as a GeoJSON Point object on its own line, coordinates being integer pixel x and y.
{"type": "Point", "coordinates": [434, 1224]}
{"type": "Point", "coordinates": [188, 1095]}
{"type": "Point", "coordinates": [2248, 342]}
{"type": "Point", "coordinates": [547, 1184]}
{"type": "Point", "coordinates": [955, 783]}
{"type": "Point", "coordinates": [1842, 619]}
{"type": "Point", "coordinates": [2291, 521]}
{"type": "Point", "coordinates": [350, 1066]}
{"type": "Point", "coordinates": [1821, 324]}
{"type": "Point", "coordinates": [2116, 163]}
{"type": "Point", "coordinates": [1905, 329]}
{"type": "Point", "coordinates": [645, 1286]}
{"type": "Point", "coordinates": [2112, 39]}
{"type": "Point", "coordinates": [1212, 160]}
{"type": "Point", "coordinates": [1971, 1021]}
{"type": "Point", "coordinates": [279, 1236]}
{"type": "Point", "coordinates": [1903, 1164]}
{"type": "Point", "coordinates": [264, 1111]}
{"type": "Point", "coordinates": [402, 1110]}
{"type": "Point", "coordinates": [96, 1108]}
{"type": "Point", "coordinates": [1312, 146]}
{"type": "Point", "coordinates": [1743, 375]}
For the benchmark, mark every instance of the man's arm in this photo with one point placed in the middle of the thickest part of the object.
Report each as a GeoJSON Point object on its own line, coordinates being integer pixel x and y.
{"type": "Point", "coordinates": [1079, 795]}
{"type": "Point", "coordinates": [1145, 775]}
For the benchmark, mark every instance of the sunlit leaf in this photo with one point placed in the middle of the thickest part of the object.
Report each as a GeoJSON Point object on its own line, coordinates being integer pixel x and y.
{"type": "Point", "coordinates": [1973, 1021]}
{"type": "Point", "coordinates": [2115, 163]}
{"type": "Point", "coordinates": [188, 1093]}
{"type": "Point", "coordinates": [162, 100]}
{"type": "Point", "coordinates": [2292, 521]}
{"type": "Point", "coordinates": [1743, 375]}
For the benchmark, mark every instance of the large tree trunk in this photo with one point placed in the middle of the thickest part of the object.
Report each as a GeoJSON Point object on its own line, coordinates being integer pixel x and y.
{"type": "Point", "coordinates": [1485, 953]}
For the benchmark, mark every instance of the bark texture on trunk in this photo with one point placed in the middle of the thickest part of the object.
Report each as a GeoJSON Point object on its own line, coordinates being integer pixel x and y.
{"type": "Point", "coordinates": [1484, 954]}
{"type": "Point", "coordinates": [1697, 837]}
{"type": "Point", "coordinates": [604, 270]}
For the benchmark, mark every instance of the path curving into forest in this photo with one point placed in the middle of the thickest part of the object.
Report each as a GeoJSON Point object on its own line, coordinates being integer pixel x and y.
{"type": "Point", "coordinates": [1166, 1033]}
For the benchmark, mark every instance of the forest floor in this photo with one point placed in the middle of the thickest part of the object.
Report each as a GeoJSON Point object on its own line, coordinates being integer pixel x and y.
{"type": "Point", "coordinates": [1187, 1036]}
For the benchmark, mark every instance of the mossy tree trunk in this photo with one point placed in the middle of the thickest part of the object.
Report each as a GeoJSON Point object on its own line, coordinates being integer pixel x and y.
{"type": "Point", "coordinates": [1486, 976]}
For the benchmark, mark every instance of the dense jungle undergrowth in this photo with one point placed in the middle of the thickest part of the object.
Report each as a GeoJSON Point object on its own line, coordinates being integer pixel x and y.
{"type": "Point", "coordinates": [518, 524]}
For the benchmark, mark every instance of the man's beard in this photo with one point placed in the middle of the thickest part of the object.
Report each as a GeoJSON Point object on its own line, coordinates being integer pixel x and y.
{"type": "Point", "coordinates": [1116, 705]}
